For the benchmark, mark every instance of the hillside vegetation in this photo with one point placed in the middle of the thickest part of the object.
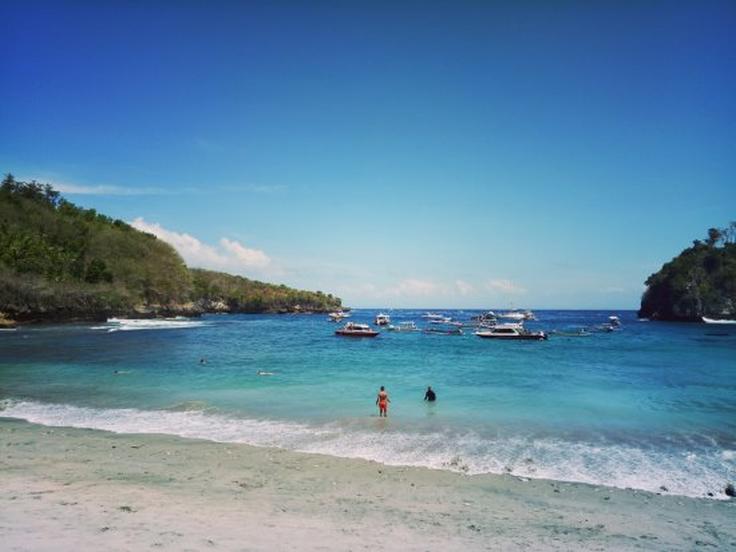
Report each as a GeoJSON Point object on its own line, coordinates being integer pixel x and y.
{"type": "Point", "coordinates": [218, 291]}
{"type": "Point", "coordinates": [59, 262]}
{"type": "Point", "coordinates": [700, 281]}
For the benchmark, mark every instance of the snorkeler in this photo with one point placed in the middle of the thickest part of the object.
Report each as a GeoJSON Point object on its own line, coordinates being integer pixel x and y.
{"type": "Point", "coordinates": [382, 401]}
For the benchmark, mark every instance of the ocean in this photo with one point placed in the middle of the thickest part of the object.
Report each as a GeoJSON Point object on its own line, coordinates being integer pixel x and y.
{"type": "Point", "coordinates": [651, 406]}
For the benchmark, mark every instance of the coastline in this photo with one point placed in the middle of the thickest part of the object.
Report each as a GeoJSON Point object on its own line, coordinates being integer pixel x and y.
{"type": "Point", "coordinates": [40, 319]}
{"type": "Point", "coordinates": [89, 489]}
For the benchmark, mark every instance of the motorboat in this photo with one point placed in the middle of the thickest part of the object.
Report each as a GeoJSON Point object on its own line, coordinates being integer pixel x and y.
{"type": "Point", "coordinates": [446, 321]}
{"type": "Point", "coordinates": [510, 331]}
{"type": "Point", "coordinates": [486, 317]}
{"type": "Point", "coordinates": [446, 329]}
{"type": "Point", "coordinates": [353, 329]}
{"type": "Point", "coordinates": [517, 315]}
{"type": "Point", "coordinates": [433, 316]}
{"type": "Point", "coordinates": [580, 332]}
{"type": "Point", "coordinates": [614, 321]}
{"type": "Point", "coordinates": [718, 320]}
{"type": "Point", "coordinates": [337, 316]}
{"type": "Point", "coordinates": [403, 327]}
{"type": "Point", "coordinates": [382, 319]}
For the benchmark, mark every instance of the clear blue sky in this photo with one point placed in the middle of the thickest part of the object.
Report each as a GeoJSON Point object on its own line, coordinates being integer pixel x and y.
{"type": "Point", "coordinates": [456, 154]}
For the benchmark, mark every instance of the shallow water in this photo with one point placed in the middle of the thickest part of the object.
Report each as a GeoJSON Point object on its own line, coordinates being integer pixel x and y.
{"type": "Point", "coordinates": [651, 405]}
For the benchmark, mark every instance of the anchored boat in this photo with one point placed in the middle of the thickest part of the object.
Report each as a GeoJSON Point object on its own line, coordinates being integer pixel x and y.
{"type": "Point", "coordinates": [382, 319]}
{"type": "Point", "coordinates": [510, 331]}
{"type": "Point", "coordinates": [352, 329]}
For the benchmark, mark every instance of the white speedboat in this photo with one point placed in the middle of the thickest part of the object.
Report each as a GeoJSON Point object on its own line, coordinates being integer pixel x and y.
{"type": "Point", "coordinates": [403, 327]}
{"type": "Point", "coordinates": [718, 320]}
{"type": "Point", "coordinates": [614, 321]}
{"type": "Point", "coordinates": [382, 319]}
{"type": "Point", "coordinates": [517, 315]}
{"type": "Point", "coordinates": [337, 316]}
{"type": "Point", "coordinates": [433, 316]}
{"type": "Point", "coordinates": [352, 329]}
{"type": "Point", "coordinates": [446, 321]}
{"type": "Point", "coordinates": [510, 331]}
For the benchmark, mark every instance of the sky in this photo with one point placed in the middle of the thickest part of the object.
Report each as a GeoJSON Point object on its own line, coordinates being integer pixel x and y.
{"type": "Point", "coordinates": [397, 154]}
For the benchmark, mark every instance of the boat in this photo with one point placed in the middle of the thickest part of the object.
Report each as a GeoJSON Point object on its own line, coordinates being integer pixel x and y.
{"type": "Point", "coordinates": [446, 321]}
{"type": "Point", "coordinates": [718, 320]}
{"type": "Point", "coordinates": [516, 314]}
{"type": "Point", "coordinates": [337, 316]}
{"type": "Point", "coordinates": [433, 316]}
{"type": "Point", "coordinates": [510, 331]}
{"type": "Point", "coordinates": [446, 329]}
{"type": "Point", "coordinates": [382, 319]}
{"type": "Point", "coordinates": [614, 321]}
{"type": "Point", "coordinates": [485, 317]}
{"type": "Point", "coordinates": [581, 332]}
{"type": "Point", "coordinates": [403, 327]}
{"type": "Point", "coordinates": [353, 329]}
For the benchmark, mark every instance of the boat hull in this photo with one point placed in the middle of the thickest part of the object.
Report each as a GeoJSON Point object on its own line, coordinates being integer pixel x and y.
{"type": "Point", "coordinates": [348, 333]}
{"type": "Point", "coordinates": [520, 337]}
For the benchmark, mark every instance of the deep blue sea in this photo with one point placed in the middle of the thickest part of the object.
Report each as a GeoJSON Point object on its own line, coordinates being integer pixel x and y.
{"type": "Point", "coordinates": [651, 405]}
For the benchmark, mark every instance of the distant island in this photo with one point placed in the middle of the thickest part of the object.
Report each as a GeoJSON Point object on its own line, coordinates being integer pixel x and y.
{"type": "Point", "coordinates": [60, 262]}
{"type": "Point", "coordinates": [700, 281]}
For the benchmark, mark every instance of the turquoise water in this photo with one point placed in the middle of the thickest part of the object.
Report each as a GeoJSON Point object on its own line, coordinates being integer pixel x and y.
{"type": "Point", "coordinates": [651, 405]}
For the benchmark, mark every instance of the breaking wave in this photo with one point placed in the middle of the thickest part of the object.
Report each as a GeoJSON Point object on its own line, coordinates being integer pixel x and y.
{"type": "Point", "coordinates": [696, 471]}
{"type": "Point", "coordinates": [125, 324]}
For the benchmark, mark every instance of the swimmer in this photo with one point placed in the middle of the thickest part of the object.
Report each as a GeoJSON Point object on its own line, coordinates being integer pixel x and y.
{"type": "Point", "coordinates": [203, 360]}
{"type": "Point", "coordinates": [430, 395]}
{"type": "Point", "coordinates": [382, 401]}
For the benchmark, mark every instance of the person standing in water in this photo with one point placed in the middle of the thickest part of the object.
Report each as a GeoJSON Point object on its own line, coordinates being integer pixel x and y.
{"type": "Point", "coordinates": [430, 395]}
{"type": "Point", "coordinates": [382, 401]}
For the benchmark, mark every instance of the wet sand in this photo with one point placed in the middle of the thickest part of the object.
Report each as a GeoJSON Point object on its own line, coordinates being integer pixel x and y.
{"type": "Point", "coordinates": [76, 489]}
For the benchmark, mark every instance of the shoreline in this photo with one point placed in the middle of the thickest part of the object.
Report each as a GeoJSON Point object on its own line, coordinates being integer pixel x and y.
{"type": "Point", "coordinates": [92, 489]}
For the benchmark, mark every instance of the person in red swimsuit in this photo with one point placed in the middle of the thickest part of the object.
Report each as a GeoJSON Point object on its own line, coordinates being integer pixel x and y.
{"type": "Point", "coordinates": [382, 401]}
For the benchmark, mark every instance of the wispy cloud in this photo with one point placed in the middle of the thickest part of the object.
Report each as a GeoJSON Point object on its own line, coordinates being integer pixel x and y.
{"type": "Point", "coordinates": [226, 255]}
{"type": "Point", "coordinates": [412, 287]}
{"type": "Point", "coordinates": [464, 288]}
{"type": "Point", "coordinates": [504, 286]}
{"type": "Point", "coordinates": [72, 189]}
{"type": "Point", "coordinates": [256, 188]}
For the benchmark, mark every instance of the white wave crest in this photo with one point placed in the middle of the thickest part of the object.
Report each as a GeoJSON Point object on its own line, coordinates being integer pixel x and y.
{"type": "Point", "coordinates": [130, 324]}
{"type": "Point", "coordinates": [687, 472]}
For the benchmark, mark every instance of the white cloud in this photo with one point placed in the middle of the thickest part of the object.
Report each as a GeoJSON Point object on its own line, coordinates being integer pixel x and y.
{"type": "Point", "coordinates": [249, 257]}
{"type": "Point", "coordinates": [229, 255]}
{"type": "Point", "coordinates": [67, 188]}
{"type": "Point", "coordinates": [256, 188]}
{"type": "Point", "coordinates": [464, 288]}
{"type": "Point", "coordinates": [504, 286]}
{"type": "Point", "coordinates": [411, 287]}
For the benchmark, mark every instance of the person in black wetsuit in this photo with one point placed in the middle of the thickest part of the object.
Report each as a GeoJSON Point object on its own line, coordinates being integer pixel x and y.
{"type": "Point", "coordinates": [430, 395]}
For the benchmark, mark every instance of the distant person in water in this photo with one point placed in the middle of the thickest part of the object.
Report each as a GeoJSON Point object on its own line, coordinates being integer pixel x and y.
{"type": "Point", "coordinates": [430, 395]}
{"type": "Point", "coordinates": [203, 360]}
{"type": "Point", "coordinates": [382, 401]}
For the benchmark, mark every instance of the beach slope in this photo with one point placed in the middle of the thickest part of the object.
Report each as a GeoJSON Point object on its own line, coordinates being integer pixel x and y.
{"type": "Point", "coordinates": [79, 489]}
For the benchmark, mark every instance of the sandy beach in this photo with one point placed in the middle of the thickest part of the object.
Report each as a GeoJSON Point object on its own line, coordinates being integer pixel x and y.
{"type": "Point", "coordinates": [78, 489]}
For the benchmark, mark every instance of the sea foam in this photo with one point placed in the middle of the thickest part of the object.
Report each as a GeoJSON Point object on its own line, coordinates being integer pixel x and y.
{"type": "Point", "coordinates": [125, 324]}
{"type": "Point", "coordinates": [681, 472]}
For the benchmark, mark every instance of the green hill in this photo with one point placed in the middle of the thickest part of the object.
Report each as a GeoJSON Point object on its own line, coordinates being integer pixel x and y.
{"type": "Point", "coordinates": [700, 281]}
{"type": "Point", "coordinates": [220, 292]}
{"type": "Point", "coordinates": [61, 262]}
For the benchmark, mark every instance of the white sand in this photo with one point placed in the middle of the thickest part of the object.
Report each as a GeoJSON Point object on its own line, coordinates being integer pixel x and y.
{"type": "Point", "coordinates": [73, 489]}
